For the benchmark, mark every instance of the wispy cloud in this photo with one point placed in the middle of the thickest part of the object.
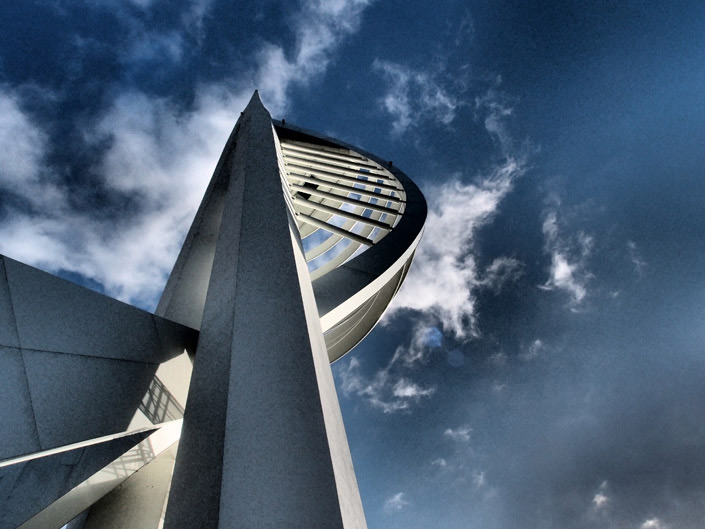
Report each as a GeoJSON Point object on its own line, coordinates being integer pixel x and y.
{"type": "Point", "coordinates": [391, 389]}
{"type": "Point", "coordinates": [444, 277]}
{"type": "Point", "coordinates": [406, 389]}
{"type": "Point", "coordinates": [439, 462]}
{"type": "Point", "coordinates": [636, 258]}
{"type": "Point", "coordinates": [425, 339]}
{"type": "Point", "coordinates": [22, 151]}
{"type": "Point", "coordinates": [158, 161]}
{"type": "Point", "coordinates": [445, 274]}
{"type": "Point", "coordinates": [568, 271]}
{"type": "Point", "coordinates": [498, 359]}
{"type": "Point", "coordinates": [501, 271]}
{"type": "Point", "coordinates": [156, 157]}
{"type": "Point", "coordinates": [414, 96]}
{"type": "Point", "coordinates": [494, 108]}
{"type": "Point", "coordinates": [600, 500]}
{"type": "Point", "coordinates": [395, 503]}
{"type": "Point", "coordinates": [320, 28]}
{"type": "Point", "coordinates": [498, 386]}
{"type": "Point", "coordinates": [653, 523]}
{"type": "Point", "coordinates": [533, 350]}
{"type": "Point", "coordinates": [459, 434]}
{"type": "Point", "coordinates": [142, 3]}
{"type": "Point", "coordinates": [458, 457]}
{"type": "Point", "coordinates": [479, 479]}
{"type": "Point", "coordinates": [193, 18]}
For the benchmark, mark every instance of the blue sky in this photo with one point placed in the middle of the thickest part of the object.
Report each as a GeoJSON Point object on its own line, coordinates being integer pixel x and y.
{"type": "Point", "coordinates": [544, 366]}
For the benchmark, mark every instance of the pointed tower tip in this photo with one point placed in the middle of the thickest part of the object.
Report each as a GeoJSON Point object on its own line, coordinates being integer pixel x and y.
{"type": "Point", "coordinates": [255, 97]}
{"type": "Point", "coordinates": [255, 102]}
{"type": "Point", "coordinates": [255, 106]}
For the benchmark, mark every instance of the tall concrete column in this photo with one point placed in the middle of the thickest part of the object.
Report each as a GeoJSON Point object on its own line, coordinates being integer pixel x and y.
{"type": "Point", "coordinates": [263, 444]}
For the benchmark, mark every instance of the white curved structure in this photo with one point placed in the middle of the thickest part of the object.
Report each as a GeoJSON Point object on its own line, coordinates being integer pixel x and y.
{"type": "Point", "coordinates": [296, 250]}
{"type": "Point", "coordinates": [348, 202]}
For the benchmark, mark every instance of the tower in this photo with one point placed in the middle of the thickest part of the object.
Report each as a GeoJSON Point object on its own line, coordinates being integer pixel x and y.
{"type": "Point", "coordinates": [298, 246]}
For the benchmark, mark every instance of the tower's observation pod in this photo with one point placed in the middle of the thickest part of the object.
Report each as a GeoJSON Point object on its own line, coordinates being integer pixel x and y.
{"type": "Point", "coordinates": [297, 248]}
{"type": "Point", "coordinates": [360, 220]}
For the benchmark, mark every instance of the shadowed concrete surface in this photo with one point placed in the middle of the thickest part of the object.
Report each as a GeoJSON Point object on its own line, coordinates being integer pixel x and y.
{"type": "Point", "coordinates": [26, 488]}
{"type": "Point", "coordinates": [74, 366]}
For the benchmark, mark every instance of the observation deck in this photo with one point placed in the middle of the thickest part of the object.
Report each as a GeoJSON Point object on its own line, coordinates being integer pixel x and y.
{"type": "Point", "coordinates": [360, 220]}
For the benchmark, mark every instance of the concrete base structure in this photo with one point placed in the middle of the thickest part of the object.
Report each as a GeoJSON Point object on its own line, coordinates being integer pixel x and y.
{"type": "Point", "coordinates": [298, 246]}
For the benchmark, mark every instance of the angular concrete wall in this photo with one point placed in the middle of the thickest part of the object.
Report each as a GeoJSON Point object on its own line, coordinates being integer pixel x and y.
{"type": "Point", "coordinates": [74, 366]}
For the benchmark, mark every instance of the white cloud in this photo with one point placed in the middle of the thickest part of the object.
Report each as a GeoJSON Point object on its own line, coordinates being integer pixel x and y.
{"type": "Point", "coordinates": [159, 159]}
{"type": "Point", "coordinates": [498, 359]}
{"type": "Point", "coordinates": [406, 389]}
{"type": "Point", "coordinates": [600, 500]}
{"type": "Point", "coordinates": [568, 270]}
{"type": "Point", "coordinates": [443, 279]}
{"type": "Point", "coordinates": [563, 275]}
{"type": "Point", "coordinates": [496, 111]}
{"type": "Point", "coordinates": [440, 462]}
{"type": "Point", "coordinates": [498, 386]}
{"type": "Point", "coordinates": [533, 350]}
{"type": "Point", "coordinates": [320, 27]}
{"type": "Point", "coordinates": [653, 523]}
{"type": "Point", "coordinates": [395, 503]}
{"type": "Point", "coordinates": [424, 340]}
{"type": "Point", "coordinates": [34, 201]}
{"type": "Point", "coordinates": [413, 96]}
{"type": "Point", "coordinates": [636, 258]}
{"type": "Point", "coordinates": [478, 479]}
{"type": "Point", "coordinates": [444, 274]}
{"type": "Point", "coordinates": [460, 434]}
{"type": "Point", "coordinates": [389, 390]}
{"type": "Point", "coordinates": [22, 150]}
{"type": "Point", "coordinates": [21, 143]}
{"type": "Point", "coordinates": [500, 272]}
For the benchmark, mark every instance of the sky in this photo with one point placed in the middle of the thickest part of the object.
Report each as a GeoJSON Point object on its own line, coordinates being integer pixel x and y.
{"type": "Point", "coordinates": [544, 365]}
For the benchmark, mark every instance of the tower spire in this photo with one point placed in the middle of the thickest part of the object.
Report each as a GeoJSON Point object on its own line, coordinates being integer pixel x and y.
{"type": "Point", "coordinates": [258, 443]}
